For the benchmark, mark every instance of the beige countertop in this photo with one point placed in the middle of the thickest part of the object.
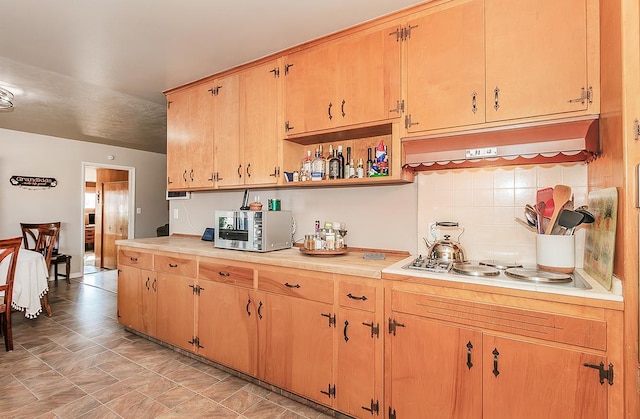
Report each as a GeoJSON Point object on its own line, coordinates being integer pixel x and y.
{"type": "Point", "coordinates": [352, 263]}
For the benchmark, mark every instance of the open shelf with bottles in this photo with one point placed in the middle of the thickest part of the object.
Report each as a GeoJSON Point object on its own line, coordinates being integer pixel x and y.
{"type": "Point", "coordinates": [359, 140]}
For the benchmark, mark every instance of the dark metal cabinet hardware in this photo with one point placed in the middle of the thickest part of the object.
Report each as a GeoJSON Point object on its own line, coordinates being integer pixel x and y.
{"type": "Point", "coordinates": [495, 353]}
{"type": "Point", "coordinates": [288, 285]}
{"type": "Point", "coordinates": [373, 408]}
{"type": "Point", "coordinates": [605, 374]}
{"type": "Point", "coordinates": [375, 329]}
{"type": "Point", "coordinates": [331, 391]}
{"type": "Point", "coordinates": [344, 332]}
{"type": "Point", "coordinates": [353, 297]}
{"type": "Point", "coordinates": [393, 325]}
{"type": "Point", "coordinates": [496, 98]}
{"type": "Point", "coordinates": [469, 348]}
{"type": "Point", "coordinates": [332, 319]}
{"type": "Point", "coordinates": [248, 304]}
{"type": "Point", "coordinates": [260, 310]}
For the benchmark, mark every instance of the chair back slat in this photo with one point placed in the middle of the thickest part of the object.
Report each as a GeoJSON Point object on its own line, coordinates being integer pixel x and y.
{"type": "Point", "coordinates": [9, 249]}
{"type": "Point", "coordinates": [30, 234]}
{"type": "Point", "coordinates": [47, 237]}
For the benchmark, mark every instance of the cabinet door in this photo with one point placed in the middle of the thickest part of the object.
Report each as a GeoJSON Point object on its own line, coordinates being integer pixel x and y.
{"type": "Point", "coordinates": [227, 317]}
{"type": "Point", "coordinates": [177, 138]}
{"type": "Point", "coordinates": [445, 67]}
{"type": "Point", "coordinates": [259, 100]}
{"type": "Point", "coordinates": [536, 57]}
{"type": "Point", "coordinates": [527, 380]}
{"type": "Point", "coordinates": [356, 392]}
{"type": "Point", "coordinates": [367, 77]}
{"type": "Point", "coordinates": [149, 284]}
{"type": "Point", "coordinates": [199, 152]}
{"type": "Point", "coordinates": [436, 369]}
{"type": "Point", "coordinates": [175, 310]}
{"type": "Point", "coordinates": [129, 297]}
{"type": "Point", "coordinates": [296, 345]}
{"type": "Point", "coordinates": [310, 89]}
{"type": "Point", "coordinates": [228, 156]}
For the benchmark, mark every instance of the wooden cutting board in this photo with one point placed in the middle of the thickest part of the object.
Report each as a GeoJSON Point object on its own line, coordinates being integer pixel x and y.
{"type": "Point", "coordinates": [600, 241]}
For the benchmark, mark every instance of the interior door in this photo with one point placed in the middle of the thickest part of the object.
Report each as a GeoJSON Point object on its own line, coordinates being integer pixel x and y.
{"type": "Point", "coordinates": [115, 220]}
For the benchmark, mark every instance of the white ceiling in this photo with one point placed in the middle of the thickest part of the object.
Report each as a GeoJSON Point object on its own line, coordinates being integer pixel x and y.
{"type": "Point", "coordinates": [95, 70]}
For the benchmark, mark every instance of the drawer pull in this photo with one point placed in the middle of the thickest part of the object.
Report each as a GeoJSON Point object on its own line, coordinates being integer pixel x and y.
{"type": "Point", "coordinates": [344, 332]}
{"type": "Point", "coordinates": [224, 273]}
{"type": "Point", "coordinates": [133, 259]}
{"type": "Point", "coordinates": [288, 285]}
{"type": "Point", "coordinates": [353, 297]}
{"type": "Point", "coordinates": [469, 348]}
{"type": "Point", "coordinates": [173, 265]}
{"type": "Point", "coordinates": [495, 353]}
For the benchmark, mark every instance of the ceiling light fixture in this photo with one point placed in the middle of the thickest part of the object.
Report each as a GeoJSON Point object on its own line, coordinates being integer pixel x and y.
{"type": "Point", "coordinates": [6, 99]}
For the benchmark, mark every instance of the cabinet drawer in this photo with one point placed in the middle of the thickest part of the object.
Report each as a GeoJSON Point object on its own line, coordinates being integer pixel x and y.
{"type": "Point", "coordinates": [134, 258]}
{"type": "Point", "coordinates": [588, 333]}
{"type": "Point", "coordinates": [226, 273]}
{"type": "Point", "coordinates": [316, 286]}
{"type": "Point", "coordinates": [357, 295]}
{"type": "Point", "coordinates": [175, 265]}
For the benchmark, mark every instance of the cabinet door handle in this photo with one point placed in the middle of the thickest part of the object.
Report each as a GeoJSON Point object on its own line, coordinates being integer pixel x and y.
{"type": "Point", "coordinates": [260, 310]}
{"type": "Point", "coordinates": [496, 93]}
{"type": "Point", "coordinates": [239, 171]}
{"type": "Point", "coordinates": [329, 111]}
{"type": "Point", "coordinates": [248, 304]}
{"type": "Point", "coordinates": [344, 332]}
{"type": "Point", "coordinates": [154, 285]}
{"type": "Point", "coordinates": [288, 285]}
{"type": "Point", "coordinates": [353, 297]}
{"type": "Point", "coordinates": [474, 106]}
{"type": "Point", "coordinates": [342, 109]}
{"type": "Point", "coordinates": [248, 170]}
{"type": "Point", "coordinates": [147, 283]}
{"type": "Point", "coordinates": [495, 353]}
{"type": "Point", "coordinates": [191, 175]}
{"type": "Point", "coordinates": [469, 348]}
{"type": "Point", "coordinates": [184, 176]}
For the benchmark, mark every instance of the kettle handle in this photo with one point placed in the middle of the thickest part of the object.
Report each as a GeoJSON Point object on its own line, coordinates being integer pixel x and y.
{"type": "Point", "coordinates": [450, 224]}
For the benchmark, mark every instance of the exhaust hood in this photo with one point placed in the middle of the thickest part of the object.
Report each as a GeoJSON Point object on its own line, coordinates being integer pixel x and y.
{"type": "Point", "coordinates": [558, 141]}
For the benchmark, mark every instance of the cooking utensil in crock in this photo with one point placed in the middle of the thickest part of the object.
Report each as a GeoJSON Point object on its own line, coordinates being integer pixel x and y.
{"type": "Point", "coordinates": [531, 215]}
{"type": "Point", "coordinates": [561, 195]}
{"type": "Point", "coordinates": [567, 222]}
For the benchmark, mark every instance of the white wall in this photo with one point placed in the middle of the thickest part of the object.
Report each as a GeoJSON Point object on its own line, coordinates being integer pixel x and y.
{"type": "Point", "coordinates": [483, 201]}
{"type": "Point", "coordinates": [378, 217]}
{"type": "Point", "coordinates": [28, 154]}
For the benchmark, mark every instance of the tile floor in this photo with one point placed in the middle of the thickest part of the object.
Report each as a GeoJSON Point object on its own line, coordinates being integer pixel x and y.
{"type": "Point", "coordinates": [80, 363]}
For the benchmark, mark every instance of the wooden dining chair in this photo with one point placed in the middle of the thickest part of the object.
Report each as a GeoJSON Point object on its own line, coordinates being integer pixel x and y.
{"type": "Point", "coordinates": [30, 234]}
{"type": "Point", "coordinates": [9, 248]}
{"type": "Point", "coordinates": [45, 244]}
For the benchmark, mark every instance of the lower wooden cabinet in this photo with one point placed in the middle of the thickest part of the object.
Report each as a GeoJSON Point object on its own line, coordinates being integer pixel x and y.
{"type": "Point", "coordinates": [485, 356]}
{"type": "Point", "coordinates": [175, 310]}
{"type": "Point", "coordinates": [137, 299]}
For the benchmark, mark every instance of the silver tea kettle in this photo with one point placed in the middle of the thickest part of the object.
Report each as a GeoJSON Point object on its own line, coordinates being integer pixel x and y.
{"type": "Point", "coordinates": [445, 249]}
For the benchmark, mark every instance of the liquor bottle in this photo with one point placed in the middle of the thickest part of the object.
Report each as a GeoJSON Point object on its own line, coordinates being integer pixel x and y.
{"type": "Point", "coordinates": [327, 160]}
{"type": "Point", "coordinates": [369, 162]}
{"type": "Point", "coordinates": [352, 169]}
{"type": "Point", "coordinates": [348, 164]}
{"type": "Point", "coordinates": [360, 169]}
{"type": "Point", "coordinates": [341, 163]}
{"type": "Point", "coordinates": [305, 171]}
{"type": "Point", "coordinates": [317, 165]}
{"type": "Point", "coordinates": [334, 166]}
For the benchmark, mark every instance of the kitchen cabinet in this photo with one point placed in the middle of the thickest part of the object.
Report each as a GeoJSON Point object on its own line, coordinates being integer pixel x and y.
{"type": "Point", "coordinates": [351, 80]}
{"type": "Point", "coordinates": [201, 119]}
{"type": "Point", "coordinates": [484, 359]}
{"type": "Point", "coordinates": [137, 285]}
{"type": "Point", "coordinates": [445, 79]}
{"type": "Point", "coordinates": [296, 330]}
{"type": "Point", "coordinates": [175, 299]}
{"type": "Point", "coordinates": [228, 315]}
{"type": "Point", "coordinates": [497, 61]}
{"type": "Point", "coordinates": [190, 131]}
{"type": "Point", "coordinates": [360, 345]}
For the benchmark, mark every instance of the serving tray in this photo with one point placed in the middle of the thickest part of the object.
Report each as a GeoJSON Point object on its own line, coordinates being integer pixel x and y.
{"type": "Point", "coordinates": [323, 252]}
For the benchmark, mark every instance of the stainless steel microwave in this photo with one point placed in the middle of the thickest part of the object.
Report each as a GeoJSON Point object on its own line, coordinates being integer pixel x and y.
{"type": "Point", "coordinates": [255, 231]}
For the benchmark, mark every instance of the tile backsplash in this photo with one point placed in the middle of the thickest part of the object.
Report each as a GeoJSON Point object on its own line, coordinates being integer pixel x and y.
{"type": "Point", "coordinates": [484, 202]}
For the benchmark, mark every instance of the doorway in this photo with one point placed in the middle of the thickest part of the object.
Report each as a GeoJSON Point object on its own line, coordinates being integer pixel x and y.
{"type": "Point", "coordinates": [107, 213]}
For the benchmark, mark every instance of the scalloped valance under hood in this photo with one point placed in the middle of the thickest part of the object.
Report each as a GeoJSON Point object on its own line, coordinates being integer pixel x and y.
{"type": "Point", "coordinates": [559, 141]}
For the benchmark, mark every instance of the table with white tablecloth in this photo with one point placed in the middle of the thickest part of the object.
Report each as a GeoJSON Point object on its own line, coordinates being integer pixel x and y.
{"type": "Point", "coordinates": [29, 283]}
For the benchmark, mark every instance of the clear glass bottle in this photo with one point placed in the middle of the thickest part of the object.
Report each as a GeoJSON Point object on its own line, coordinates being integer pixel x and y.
{"type": "Point", "coordinates": [360, 169]}
{"type": "Point", "coordinates": [317, 165]}
{"type": "Point", "coordinates": [305, 170]}
{"type": "Point", "coordinates": [352, 170]}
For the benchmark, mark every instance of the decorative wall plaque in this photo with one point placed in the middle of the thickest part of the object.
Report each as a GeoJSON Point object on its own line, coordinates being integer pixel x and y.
{"type": "Point", "coordinates": [33, 181]}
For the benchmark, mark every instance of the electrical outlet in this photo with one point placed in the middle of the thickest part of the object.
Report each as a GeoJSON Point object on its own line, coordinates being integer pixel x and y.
{"type": "Point", "coordinates": [138, 211]}
{"type": "Point", "coordinates": [175, 213]}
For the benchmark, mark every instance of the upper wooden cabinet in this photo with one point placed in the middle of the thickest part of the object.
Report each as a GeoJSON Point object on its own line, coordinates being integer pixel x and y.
{"type": "Point", "coordinates": [494, 61]}
{"type": "Point", "coordinates": [352, 80]}
{"type": "Point", "coordinates": [192, 117]}
{"type": "Point", "coordinates": [445, 67]}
